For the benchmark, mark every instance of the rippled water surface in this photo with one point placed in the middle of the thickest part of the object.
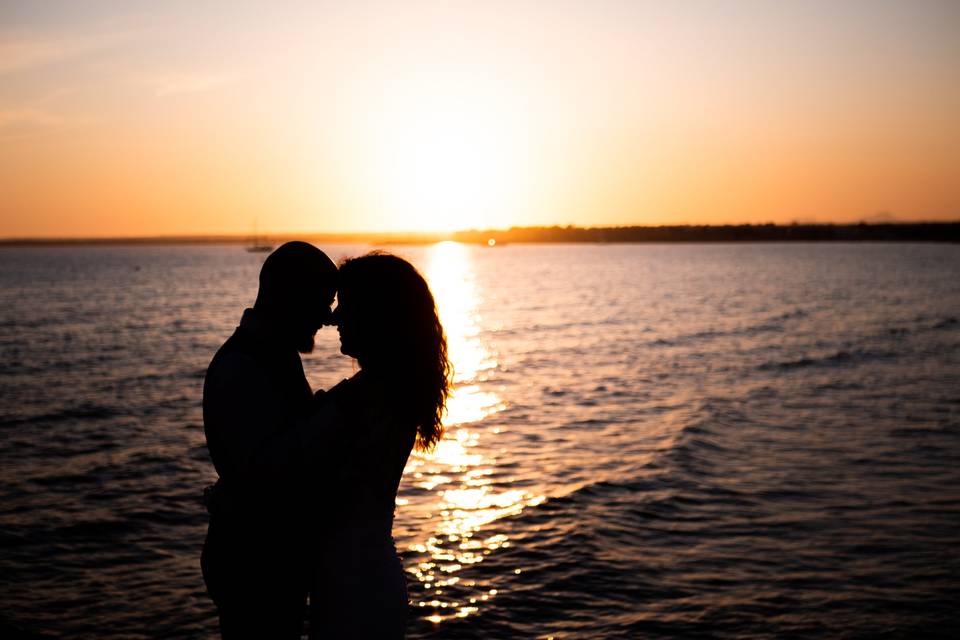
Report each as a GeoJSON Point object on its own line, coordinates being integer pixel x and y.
{"type": "Point", "coordinates": [646, 440]}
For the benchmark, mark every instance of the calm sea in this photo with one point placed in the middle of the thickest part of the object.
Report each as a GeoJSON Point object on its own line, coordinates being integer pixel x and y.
{"type": "Point", "coordinates": [725, 441]}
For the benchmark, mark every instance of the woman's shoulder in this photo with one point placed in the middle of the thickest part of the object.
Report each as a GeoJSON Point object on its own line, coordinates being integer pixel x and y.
{"type": "Point", "coordinates": [363, 399]}
{"type": "Point", "coordinates": [351, 397]}
{"type": "Point", "coordinates": [340, 392]}
{"type": "Point", "coordinates": [347, 392]}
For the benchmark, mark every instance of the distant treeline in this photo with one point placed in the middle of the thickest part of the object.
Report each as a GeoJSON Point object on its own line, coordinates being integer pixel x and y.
{"type": "Point", "coordinates": [887, 232]}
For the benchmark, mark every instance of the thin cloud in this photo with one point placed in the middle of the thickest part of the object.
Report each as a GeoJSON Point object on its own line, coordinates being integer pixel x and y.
{"type": "Point", "coordinates": [18, 122]}
{"type": "Point", "coordinates": [25, 52]}
{"type": "Point", "coordinates": [171, 84]}
{"type": "Point", "coordinates": [27, 116]}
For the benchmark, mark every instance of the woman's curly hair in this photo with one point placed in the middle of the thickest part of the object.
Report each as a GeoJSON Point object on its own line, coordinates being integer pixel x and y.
{"type": "Point", "coordinates": [407, 344]}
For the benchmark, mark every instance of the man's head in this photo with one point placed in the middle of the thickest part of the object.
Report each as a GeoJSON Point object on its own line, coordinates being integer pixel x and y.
{"type": "Point", "coordinates": [297, 285]}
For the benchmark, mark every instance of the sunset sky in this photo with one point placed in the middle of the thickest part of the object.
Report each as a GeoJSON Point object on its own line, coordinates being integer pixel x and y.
{"type": "Point", "coordinates": [135, 118]}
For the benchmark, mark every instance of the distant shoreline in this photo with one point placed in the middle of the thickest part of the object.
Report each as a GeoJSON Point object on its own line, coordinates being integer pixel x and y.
{"type": "Point", "coordinates": [944, 232]}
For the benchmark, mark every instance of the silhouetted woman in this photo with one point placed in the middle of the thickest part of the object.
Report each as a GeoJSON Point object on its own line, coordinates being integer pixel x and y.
{"type": "Point", "coordinates": [388, 321]}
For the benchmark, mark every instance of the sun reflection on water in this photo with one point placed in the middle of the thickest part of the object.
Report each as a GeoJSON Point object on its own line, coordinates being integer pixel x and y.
{"type": "Point", "coordinates": [451, 280]}
{"type": "Point", "coordinates": [457, 476]}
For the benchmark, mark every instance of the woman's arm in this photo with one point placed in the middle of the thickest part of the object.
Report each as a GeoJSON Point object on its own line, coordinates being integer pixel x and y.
{"type": "Point", "coordinates": [295, 452]}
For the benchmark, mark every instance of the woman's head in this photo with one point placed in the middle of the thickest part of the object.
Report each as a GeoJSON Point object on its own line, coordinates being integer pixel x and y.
{"type": "Point", "coordinates": [388, 321]}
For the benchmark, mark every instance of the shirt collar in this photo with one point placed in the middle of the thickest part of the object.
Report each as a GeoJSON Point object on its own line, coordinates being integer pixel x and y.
{"type": "Point", "coordinates": [251, 321]}
{"type": "Point", "coordinates": [254, 325]}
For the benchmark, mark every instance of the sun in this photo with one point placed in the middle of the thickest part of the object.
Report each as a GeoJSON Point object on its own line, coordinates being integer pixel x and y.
{"type": "Point", "coordinates": [448, 166]}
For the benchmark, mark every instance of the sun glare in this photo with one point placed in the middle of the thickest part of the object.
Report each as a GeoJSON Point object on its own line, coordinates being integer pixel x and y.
{"type": "Point", "coordinates": [450, 166]}
{"type": "Point", "coordinates": [468, 494]}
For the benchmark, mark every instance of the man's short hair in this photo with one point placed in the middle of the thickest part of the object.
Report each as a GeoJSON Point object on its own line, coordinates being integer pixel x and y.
{"type": "Point", "coordinates": [294, 270]}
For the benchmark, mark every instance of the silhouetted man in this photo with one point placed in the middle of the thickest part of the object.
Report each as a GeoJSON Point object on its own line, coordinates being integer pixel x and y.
{"type": "Point", "coordinates": [255, 390]}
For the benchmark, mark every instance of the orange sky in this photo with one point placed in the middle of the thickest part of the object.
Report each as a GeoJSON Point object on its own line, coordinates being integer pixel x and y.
{"type": "Point", "coordinates": [195, 118]}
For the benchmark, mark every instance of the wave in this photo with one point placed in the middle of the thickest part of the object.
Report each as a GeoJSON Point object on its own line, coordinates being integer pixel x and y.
{"type": "Point", "coordinates": [947, 323]}
{"type": "Point", "coordinates": [924, 325]}
{"type": "Point", "coordinates": [60, 363]}
{"type": "Point", "coordinates": [773, 324]}
{"type": "Point", "coordinates": [11, 323]}
{"type": "Point", "coordinates": [648, 552]}
{"type": "Point", "coordinates": [842, 358]}
{"type": "Point", "coordinates": [777, 324]}
{"type": "Point", "coordinates": [83, 411]}
{"type": "Point", "coordinates": [699, 443]}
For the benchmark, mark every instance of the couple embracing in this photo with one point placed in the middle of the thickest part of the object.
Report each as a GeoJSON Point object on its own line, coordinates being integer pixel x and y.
{"type": "Point", "coordinates": [308, 481]}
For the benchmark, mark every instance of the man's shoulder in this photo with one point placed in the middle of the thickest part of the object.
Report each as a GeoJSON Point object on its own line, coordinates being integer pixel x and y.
{"type": "Point", "coordinates": [231, 361]}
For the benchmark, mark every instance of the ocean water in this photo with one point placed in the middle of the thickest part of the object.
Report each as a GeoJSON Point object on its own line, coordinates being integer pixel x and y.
{"type": "Point", "coordinates": [718, 441]}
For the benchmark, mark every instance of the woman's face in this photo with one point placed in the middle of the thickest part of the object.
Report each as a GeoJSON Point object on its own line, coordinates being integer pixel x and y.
{"type": "Point", "coordinates": [345, 317]}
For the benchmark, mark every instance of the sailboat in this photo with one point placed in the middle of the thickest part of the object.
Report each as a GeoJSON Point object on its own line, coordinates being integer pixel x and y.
{"type": "Point", "coordinates": [256, 244]}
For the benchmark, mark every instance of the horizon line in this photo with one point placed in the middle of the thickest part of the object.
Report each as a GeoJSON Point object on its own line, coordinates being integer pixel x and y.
{"type": "Point", "coordinates": [426, 237]}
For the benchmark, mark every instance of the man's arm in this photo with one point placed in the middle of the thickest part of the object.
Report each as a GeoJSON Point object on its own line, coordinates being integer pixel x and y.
{"type": "Point", "coordinates": [244, 416]}
{"type": "Point", "coordinates": [257, 441]}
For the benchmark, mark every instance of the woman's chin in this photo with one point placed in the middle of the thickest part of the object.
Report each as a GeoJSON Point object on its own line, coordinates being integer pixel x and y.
{"type": "Point", "coordinates": [306, 344]}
